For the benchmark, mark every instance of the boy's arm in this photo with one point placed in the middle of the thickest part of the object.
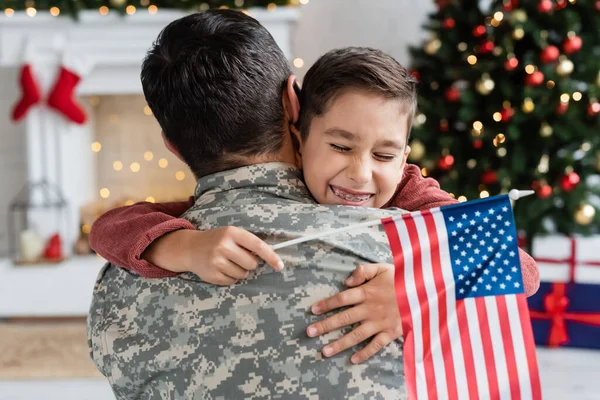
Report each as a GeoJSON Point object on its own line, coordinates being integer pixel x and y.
{"type": "Point", "coordinates": [418, 193]}
{"type": "Point", "coordinates": [122, 235]}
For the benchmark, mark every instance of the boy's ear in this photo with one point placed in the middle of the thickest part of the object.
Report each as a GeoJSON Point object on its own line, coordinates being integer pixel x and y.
{"type": "Point", "coordinates": [291, 103]}
{"type": "Point", "coordinates": [171, 147]}
{"type": "Point", "coordinates": [297, 142]}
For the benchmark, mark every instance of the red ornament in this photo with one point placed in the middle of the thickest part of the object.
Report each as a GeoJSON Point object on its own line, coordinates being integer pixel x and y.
{"type": "Point", "coordinates": [452, 94]}
{"type": "Point", "coordinates": [572, 45]}
{"type": "Point", "coordinates": [562, 108]}
{"type": "Point", "coordinates": [415, 73]}
{"type": "Point", "coordinates": [486, 47]}
{"type": "Point", "coordinates": [544, 191]}
{"type": "Point", "coordinates": [569, 181]}
{"type": "Point", "coordinates": [560, 4]}
{"type": "Point", "coordinates": [444, 125]}
{"type": "Point", "coordinates": [549, 54]}
{"type": "Point", "coordinates": [446, 162]}
{"type": "Point", "coordinates": [510, 4]}
{"type": "Point", "coordinates": [545, 6]}
{"type": "Point", "coordinates": [598, 5]}
{"type": "Point", "coordinates": [535, 79]}
{"type": "Point", "coordinates": [477, 143]}
{"type": "Point", "coordinates": [511, 64]}
{"type": "Point", "coordinates": [507, 114]}
{"type": "Point", "coordinates": [593, 109]}
{"type": "Point", "coordinates": [53, 247]}
{"type": "Point", "coordinates": [489, 177]}
{"type": "Point", "coordinates": [479, 31]}
{"type": "Point", "coordinates": [449, 23]}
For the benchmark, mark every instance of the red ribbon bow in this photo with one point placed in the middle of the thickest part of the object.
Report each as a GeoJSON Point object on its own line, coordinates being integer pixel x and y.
{"type": "Point", "coordinates": [556, 303]}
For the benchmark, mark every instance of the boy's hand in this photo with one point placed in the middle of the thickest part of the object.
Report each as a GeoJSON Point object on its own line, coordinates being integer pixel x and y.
{"type": "Point", "coordinates": [375, 308]}
{"type": "Point", "coordinates": [220, 256]}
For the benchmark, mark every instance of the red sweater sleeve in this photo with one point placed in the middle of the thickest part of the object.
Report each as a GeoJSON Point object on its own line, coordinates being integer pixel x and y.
{"type": "Point", "coordinates": [121, 235]}
{"type": "Point", "coordinates": [418, 193]}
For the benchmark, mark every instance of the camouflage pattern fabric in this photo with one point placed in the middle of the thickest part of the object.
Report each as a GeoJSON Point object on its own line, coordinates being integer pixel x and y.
{"type": "Point", "coordinates": [181, 338]}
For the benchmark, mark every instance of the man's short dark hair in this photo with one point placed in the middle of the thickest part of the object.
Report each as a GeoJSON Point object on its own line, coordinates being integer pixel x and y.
{"type": "Point", "coordinates": [354, 68]}
{"type": "Point", "coordinates": [214, 82]}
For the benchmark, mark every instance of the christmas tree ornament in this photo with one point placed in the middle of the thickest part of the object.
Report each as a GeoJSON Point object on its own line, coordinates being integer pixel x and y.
{"type": "Point", "coordinates": [518, 16]}
{"type": "Point", "coordinates": [489, 177]}
{"type": "Point", "coordinates": [452, 94]}
{"type": "Point", "coordinates": [510, 4]}
{"type": "Point", "coordinates": [534, 79]}
{"type": "Point", "coordinates": [478, 144]}
{"type": "Point", "coordinates": [564, 67]}
{"type": "Point", "coordinates": [444, 125]}
{"type": "Point", "coordinates": [479, 31]}
{"type": "Point", "coordinates": [117, 3]}
{"type": "Point", "coordinates": [549, 54]}
{"type": "Point", "coordinates": [545, 6]}
{"type": "Point", "coordinates": [507, 114]}
{"type": "Point", "coordinates": [62, 97]}
{"type": "Point", "coordinates": [562, 108]}
{"type": "Point", "coordinates": [446, 162]}
{"type": "Point", "coordinates": [485, 85]}
{"type": "Point", "coordinates": [597, 5]}
{"type": "Point", "coordinates": [432, 46]}
{"type": "Point", "coordinates": [544, 191]}
{"type": "Point", "coordinates": [569, 181]}
{"type": "Point", "coordinates": [518, 34]}
{"type": "Point", "coordinates": [417, 151]}
{"type": "Point", "coordinates": [572, 44]}
{"type": "Point", "coordinates": [528, 105]}
{"type": "Point", "coordinates": [593, 108]}
{"type": "Point", "coordinates": [511, 64]}
{"type": "Point", "coordinates": [449, 23]}
{"type": "Point", "coordinates": [30, 90]}
{"type": "Point", "coordinates": [487, 47]}
{"type": "Point", "coordinates": [560, 4]}
{"type": "Point", "coordinates": [584, 214]}
{"type": "Point", "coordinates": [545, 130]}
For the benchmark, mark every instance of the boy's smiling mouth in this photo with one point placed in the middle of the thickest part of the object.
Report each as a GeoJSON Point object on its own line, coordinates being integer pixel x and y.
{"type": "Point", "coordinates": [350, 197]}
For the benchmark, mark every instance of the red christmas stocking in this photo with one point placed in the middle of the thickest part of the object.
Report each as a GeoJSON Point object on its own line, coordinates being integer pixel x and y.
{"type": "Point", "coordinates": [62, 96]}
{"type": "Point", "coordinates": [31, 93]}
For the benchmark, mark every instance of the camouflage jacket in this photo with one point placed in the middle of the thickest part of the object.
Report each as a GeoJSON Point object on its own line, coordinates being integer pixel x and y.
{"type": "Point", "coordinates": [181, 338]}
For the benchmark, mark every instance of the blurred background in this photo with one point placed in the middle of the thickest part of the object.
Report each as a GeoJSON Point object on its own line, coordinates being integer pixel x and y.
{"type": "Point", "coordinates": [509, 98]}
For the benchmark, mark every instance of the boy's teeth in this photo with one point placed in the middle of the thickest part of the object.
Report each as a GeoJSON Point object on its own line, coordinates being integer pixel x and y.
{"type": "Point", "coordinates": [350, 197]}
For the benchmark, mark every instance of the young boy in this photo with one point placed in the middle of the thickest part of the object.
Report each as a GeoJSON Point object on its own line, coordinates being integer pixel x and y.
{"type": "Point", "coordinates": [353, 145]}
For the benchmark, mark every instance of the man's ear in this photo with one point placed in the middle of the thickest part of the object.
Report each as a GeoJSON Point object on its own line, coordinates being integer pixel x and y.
{"type": "Point", "coordinates": [291, 103]}
{"type": "Point", "coordinates": [171, 147]}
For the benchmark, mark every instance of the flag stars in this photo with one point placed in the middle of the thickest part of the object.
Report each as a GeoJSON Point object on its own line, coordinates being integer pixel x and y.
{"type": "Point", "coordinates": [503, 247]}
{"type": "Point", "coordinates": [480, 228]}
{"type": "Point", "coordinates": [512, 254]}
{"type": "Point", "coordinates": [494, 278]}
{"type": "Point", "coordinates": [451, 219]}
{"type": "Point", "coordinates": [491, 210]}
{"type": "Point", "coordinates": [486, 220]}
{"type": "Point", "coordinates": [482, 242]}
{"type": "Point", "coordinates": [492, 263]}
{"type": "Point", "coordinates": [499, 217]}
{"type": "Point", "coordinates": [488, 287]}
{"type": "Point", "coordinates": [494, 226]}
{"type": "Point", "coordinates": [514, 269]}
{"type": "Point", "coordinates": [487, 271]}
{"type": "Point", "coordinates": [469, 245]}
{"type": "Point", "coordinates": [463, 253]}
{"type": "Point", "coordinates": [457, 262]}
{"type": "Point", "coordinates": [454, 233]}
{"type": "Point", "coordinates": [484, 257]}
{"type": "Point", "coordinates": [498, 255]}
{"type": "Point", "coordinates": [467, 230]}
{"type": "Point", "coordinates": [464, 216]}
{"type": "Point", "coordinates": [506, 262]}
{"type": "Point", "coordinates": [479, 266]}
{"type": "Point", "coordinates": [490, 249]}
{"type": "Point", "coordinates": [473, 274]}
{"type": "Point", "coordinates": [502, 286]}
{"type": "Point", "coordinates": [508, 278]}
{"type": "Point", "coordinates": [496, 240]}
{"type": "Point", "coordinates": [500, 270]}
{"type": "Point", "coordinates": [471, 260]}
{"type": "Point", "coordinates": [480, 280]}
{"type": "Point", "coordinates": [459, 225]}
{"type": "Point", "coordinates": [474, 236]}
{"type": "Point", "coordinates": [474, 288]}
{"type": "Point", "coordinates": [461, 291]}
{"type": "Point", "coordinates": [517, 284]}
{"type": "Point", "coordinates": [505, 209]}
{"type": "Point", "coordinates": [509, 238]}
{"type": "Point", "coordinates": [501, 231]}
{"type": "Point", "coordinates": [488, 234]}
{"type": "Point", "coordinates": [461, 277]}
{"type": "Point", "coordinates": [455, 247]}
{"type": "Point", "coordinates": [472, 222]}
{"type": "Point", "coordinates": [507, 223]}
{"type": "Point", "coordinates": [477, 213]}
{"type": "Point", "coordinates": [476, 251]}
{"type": "Point", "coordinates": [461, 239]}
{"type": "Point", "coordinates": [466, 268]}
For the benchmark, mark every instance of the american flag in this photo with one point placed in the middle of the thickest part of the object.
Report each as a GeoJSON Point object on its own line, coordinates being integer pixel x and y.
{"type": "Point", "coordinates": [460, 294]}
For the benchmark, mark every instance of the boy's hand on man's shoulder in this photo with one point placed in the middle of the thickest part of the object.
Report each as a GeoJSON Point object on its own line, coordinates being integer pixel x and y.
{"type": "Point", "coordinates": [220, 256]}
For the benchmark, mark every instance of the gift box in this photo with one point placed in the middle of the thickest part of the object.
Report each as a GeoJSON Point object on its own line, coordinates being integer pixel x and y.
{"type": "Point", "coordinates": [566, 309]}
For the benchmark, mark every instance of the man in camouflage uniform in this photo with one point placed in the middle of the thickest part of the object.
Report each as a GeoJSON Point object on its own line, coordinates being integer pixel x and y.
{"type": "Point", "coordinates": [222, 92]}
{"type": "Point", "coordinates": [182, 338]}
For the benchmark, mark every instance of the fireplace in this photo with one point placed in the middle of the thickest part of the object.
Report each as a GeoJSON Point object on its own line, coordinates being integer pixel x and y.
{"type": "Point", "coordinates": [117, 156]}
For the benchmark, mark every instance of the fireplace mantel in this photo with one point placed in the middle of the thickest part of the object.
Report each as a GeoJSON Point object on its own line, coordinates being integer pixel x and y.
{"type": "Point", "coordinates": [58, 150]}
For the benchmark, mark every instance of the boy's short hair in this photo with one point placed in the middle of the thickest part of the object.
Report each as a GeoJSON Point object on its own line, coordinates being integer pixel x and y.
{"type": "Point", "coordinates": [214, 82]}
{"type": "Point", "coordinates": [350, 68]}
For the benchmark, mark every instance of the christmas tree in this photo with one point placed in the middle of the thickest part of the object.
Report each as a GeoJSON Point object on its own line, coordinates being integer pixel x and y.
{"type": "Point", "coordinates": [509, 99]}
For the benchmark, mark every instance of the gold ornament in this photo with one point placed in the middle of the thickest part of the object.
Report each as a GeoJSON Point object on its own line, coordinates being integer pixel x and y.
{"type": "Point", "coordinates": [518, 15]}
{"type": "Point", "coordinates": [417, 150]}
{"type": "Point", "coordinates": [485, 85]}
{"type": "Point", "coordinates": [546, 130]}
{"type": "Point", "coordinates": [117, 3]}
{"type": "Point", "coordinates": [432, 46]}
{"type": "Point", "coordinates": [564, 67]}
{"type": "Point", "coordinates": [518, 34]}
{"type": "Point", "coordinates": [528, 105]}
{"type": "Point", "coordinates": [584, 214]}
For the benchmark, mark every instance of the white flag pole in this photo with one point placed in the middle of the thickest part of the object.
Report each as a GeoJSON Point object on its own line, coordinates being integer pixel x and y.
{"type": "Point", "coordinates": [326, 233]}
{"type": "Point", "coordinates": [513, 195]}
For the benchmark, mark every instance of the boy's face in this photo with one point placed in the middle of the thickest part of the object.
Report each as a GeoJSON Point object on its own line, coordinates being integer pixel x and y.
{"type": "Point", "coordinates": [356, 151]}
